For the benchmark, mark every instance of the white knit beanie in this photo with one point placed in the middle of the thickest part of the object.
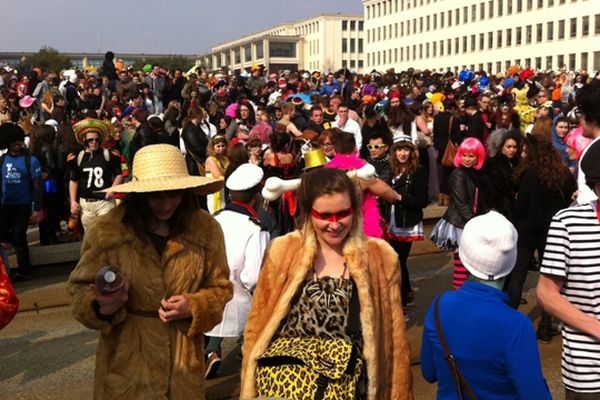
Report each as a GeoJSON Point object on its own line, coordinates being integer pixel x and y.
{"type": "Point", "coordinates": [488, 246]}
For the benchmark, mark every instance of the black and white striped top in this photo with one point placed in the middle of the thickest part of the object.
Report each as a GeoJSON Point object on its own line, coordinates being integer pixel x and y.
{"type": "Point", "coordinates": [573, 253]}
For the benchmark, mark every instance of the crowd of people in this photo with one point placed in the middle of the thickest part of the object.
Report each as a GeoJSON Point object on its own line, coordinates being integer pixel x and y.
{"type": "Point", "coordinates": [138, 161]}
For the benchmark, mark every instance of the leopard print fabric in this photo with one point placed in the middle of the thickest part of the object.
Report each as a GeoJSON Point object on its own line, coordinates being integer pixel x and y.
{"type": "Point", "coordinates": [321, 309]}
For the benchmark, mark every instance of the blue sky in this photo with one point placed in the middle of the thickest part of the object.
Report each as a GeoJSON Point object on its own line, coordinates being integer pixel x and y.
{"type": "Point", "coordinates": [149, 26]}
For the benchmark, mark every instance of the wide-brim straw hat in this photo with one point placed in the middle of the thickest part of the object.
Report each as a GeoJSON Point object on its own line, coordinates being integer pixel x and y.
{"type": "Point", "coordinates": [162, 167]}
{"type": "Point", "coordinates": [91, 125]}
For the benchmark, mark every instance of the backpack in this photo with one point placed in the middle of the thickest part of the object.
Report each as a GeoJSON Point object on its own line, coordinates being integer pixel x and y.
{"type": "Point", "coordinates": [105, 152]}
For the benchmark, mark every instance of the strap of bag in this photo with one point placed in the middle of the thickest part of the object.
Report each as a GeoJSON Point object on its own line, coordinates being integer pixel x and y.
{"type": "Point", "coordinates": [459, 380]}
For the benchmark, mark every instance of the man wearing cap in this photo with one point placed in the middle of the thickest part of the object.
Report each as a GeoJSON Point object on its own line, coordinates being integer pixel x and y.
{"type": "Point", "coordinates": [92, 170]}
{"type": "Point", "coordinates": [245, 244]}
{"type": "Point", "coordinates": [499, 359]}
{"type": "Point", "coordinates": [21, 191]}
{"type": "Point", "coordinates": [568, 286]}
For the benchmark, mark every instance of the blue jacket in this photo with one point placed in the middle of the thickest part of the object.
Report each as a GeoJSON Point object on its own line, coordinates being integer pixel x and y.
{"type": "Point", "coordinates": [494, 345]}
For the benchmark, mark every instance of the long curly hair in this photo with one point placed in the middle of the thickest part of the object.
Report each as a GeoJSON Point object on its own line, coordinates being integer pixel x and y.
{"type": "Point", "coordinates": [544, 161]}
{"type": "Point", "coordinates": [413, 160]}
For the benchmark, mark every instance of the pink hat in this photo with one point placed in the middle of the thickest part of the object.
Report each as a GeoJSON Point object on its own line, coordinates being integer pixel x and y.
{"type": "Point", "coordinates": [26, 101]}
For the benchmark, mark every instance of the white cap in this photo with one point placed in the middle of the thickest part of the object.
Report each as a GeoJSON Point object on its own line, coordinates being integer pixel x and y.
{"type": "Point", "coordinates": [488, 246]}
{"type": "Point", "coordinates": [245, 177]}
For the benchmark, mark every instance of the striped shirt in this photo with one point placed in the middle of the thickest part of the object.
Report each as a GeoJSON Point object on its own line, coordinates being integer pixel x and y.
{"type": "Point", "coordinates": [573, 253]}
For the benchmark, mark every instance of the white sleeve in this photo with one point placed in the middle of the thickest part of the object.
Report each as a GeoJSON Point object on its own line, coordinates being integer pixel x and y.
{"type": "Point", "coordinates": [253, 256]}
{"type": "Point", "coordinates": [413, 132]}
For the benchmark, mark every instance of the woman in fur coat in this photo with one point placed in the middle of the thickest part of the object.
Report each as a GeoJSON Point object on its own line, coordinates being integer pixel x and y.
{"type": "Point", "coordinates": [176, 284]}
{"type": "Point", "coordinates": [327, 280]}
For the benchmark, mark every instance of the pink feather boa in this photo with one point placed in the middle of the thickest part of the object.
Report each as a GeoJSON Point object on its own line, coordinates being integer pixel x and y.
{"type": "Point", "coordinates": [371, 216]}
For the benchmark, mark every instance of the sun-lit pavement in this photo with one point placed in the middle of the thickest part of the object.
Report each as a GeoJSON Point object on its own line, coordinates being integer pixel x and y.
{"type": "Point", "coordinates": [47, 355]}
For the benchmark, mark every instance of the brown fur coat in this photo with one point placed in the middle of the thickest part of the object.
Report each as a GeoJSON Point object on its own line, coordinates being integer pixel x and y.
{"type": "Point", "coordinates": [140, 357]}
{"type": "Point", "coordinates": [373, 265]}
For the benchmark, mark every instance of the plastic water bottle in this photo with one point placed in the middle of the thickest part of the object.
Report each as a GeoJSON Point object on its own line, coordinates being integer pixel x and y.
{"type": "Point", "coordinates": [109, 279]}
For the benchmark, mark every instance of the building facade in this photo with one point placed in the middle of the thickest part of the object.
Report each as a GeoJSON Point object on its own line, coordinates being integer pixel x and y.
{"type": "Point", "coordinates": [323, 43]}
{"type": "Point", "coordinates": [489, 35]}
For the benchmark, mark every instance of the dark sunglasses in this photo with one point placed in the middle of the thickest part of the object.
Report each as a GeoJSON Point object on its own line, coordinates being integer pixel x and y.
{"type": "Point", "coordinates": [331, 217]}
{"type": "Point", "coordinates": [96, 140]}
{"type": "Point", "coordinates": [376, 146]}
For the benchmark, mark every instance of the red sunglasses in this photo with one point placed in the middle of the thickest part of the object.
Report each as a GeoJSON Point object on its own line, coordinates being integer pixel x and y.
{"type": "Point", "coordinates": [331, 217]}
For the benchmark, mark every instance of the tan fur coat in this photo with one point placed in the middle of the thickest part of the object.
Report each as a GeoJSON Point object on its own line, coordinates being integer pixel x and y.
{"type": "Point", "coordinates": [373, 265]}
{"type": "Point", "coordinates": [140, 357]}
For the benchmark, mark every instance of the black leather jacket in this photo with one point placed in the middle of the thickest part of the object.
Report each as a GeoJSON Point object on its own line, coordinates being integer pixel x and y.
{"type": "Point", "coordinates": [414, 190]}
{"type": "Point", "coordinates": [462, 199]}
{"type": "Point", "coordinates": [196, 143]}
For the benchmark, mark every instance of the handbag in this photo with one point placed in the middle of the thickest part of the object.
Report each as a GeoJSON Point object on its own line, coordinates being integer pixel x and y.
{"type": "Point", "coordinates": [450, 150]}
{"type": "Point", "coordinates": [199, 164]}
{"type": "Point", "coordinates": [459, 380]}
{"type": "Point", "coordinates": [302, 368]}
{"type": "Point", "coordinates": [9, 302]}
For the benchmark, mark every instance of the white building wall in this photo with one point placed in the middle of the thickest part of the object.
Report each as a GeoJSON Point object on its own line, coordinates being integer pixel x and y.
{"type": "Point", "coordinates": [319, 44]}
{"type": "Point", "coordinates": [411, 33]}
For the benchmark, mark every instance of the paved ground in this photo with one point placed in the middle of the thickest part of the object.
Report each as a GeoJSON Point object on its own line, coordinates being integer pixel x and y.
{"type": "Point", "coordinates": [47, 355]}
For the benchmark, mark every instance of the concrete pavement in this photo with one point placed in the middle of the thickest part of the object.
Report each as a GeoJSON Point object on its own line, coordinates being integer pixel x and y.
{"type": "Point", "coordinates": [47, 355]}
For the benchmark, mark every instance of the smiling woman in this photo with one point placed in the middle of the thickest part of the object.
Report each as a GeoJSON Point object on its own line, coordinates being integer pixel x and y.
{"type": "Point", "coordinates": [326, 287]}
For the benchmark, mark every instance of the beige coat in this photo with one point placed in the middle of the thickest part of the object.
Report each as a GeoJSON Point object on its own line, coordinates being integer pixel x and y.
{"type": "Point", "coordinates": [140, 357]}
{"type": "Point", "coordinates": [373, 265]}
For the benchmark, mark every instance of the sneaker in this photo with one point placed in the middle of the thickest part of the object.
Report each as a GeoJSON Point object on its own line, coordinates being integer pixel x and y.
{"type": "Point", "coordinates": [213, 362]}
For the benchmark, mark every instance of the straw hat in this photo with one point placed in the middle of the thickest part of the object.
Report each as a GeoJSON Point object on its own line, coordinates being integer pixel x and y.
{"type": "Point", "coordinates": [162, 167]}
{"type": "Point", "coordinates": [88, 125]}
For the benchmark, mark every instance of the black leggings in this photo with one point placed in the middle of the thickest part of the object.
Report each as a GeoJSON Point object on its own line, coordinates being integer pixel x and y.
{"type": "Point", "coordinates": [403, 249]}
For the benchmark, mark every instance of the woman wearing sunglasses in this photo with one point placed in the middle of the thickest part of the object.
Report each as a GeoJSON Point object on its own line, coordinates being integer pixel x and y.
{"type": "Point", "coordinates": [326, 282]}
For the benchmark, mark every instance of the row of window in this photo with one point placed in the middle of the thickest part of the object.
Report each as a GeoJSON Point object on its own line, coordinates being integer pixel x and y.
{"type": "Point", "coordinates": [387, 7]}
{"type": "Point", "coordinates": [353, 47]}
{"type": "Point", "coordinates": [352, 64]}
{"type": "Point", "coordinates": [353, 25]}
{"type": "Point", "coordinates": [276, 49]}
{"type": "Point", "coordinates": [387, 57]}
{"type": "Point", "coordinates": [464, 44]}
{"type": "Point", "coordinates": [396, 30]}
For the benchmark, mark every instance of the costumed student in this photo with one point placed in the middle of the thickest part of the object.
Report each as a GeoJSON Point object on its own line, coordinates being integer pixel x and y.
{"type": "Point", "coordinates": [500, 359]}
{"type": "Point", "coordinates": [175, 284]}
{"type": "Point", "coordinates": [326, 289]}
{"type": "Point", "coordinates": [216, 165]}
{"type": "Point", "coordinates": [92, 170]}
{"type": "Point", "coordinates": [468, 197]}
{"type": "Point", "coordinates": [245, 243]}
{"type": "Point", "coordinates": [405, 221]}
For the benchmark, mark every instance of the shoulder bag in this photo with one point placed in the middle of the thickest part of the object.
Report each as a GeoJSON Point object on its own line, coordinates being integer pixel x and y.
{"type": "Point", "coordinates": [450, 150]}
{"type": "Point", "coordinates": [459, 380]}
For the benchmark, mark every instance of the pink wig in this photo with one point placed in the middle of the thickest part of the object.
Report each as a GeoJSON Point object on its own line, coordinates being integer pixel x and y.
{"type": "Point", "coordinates": [230, 110]}
{"type": "Point", "coordinates": [470, 145]}
{"type": "Point", "coordinates": [577, 141]}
